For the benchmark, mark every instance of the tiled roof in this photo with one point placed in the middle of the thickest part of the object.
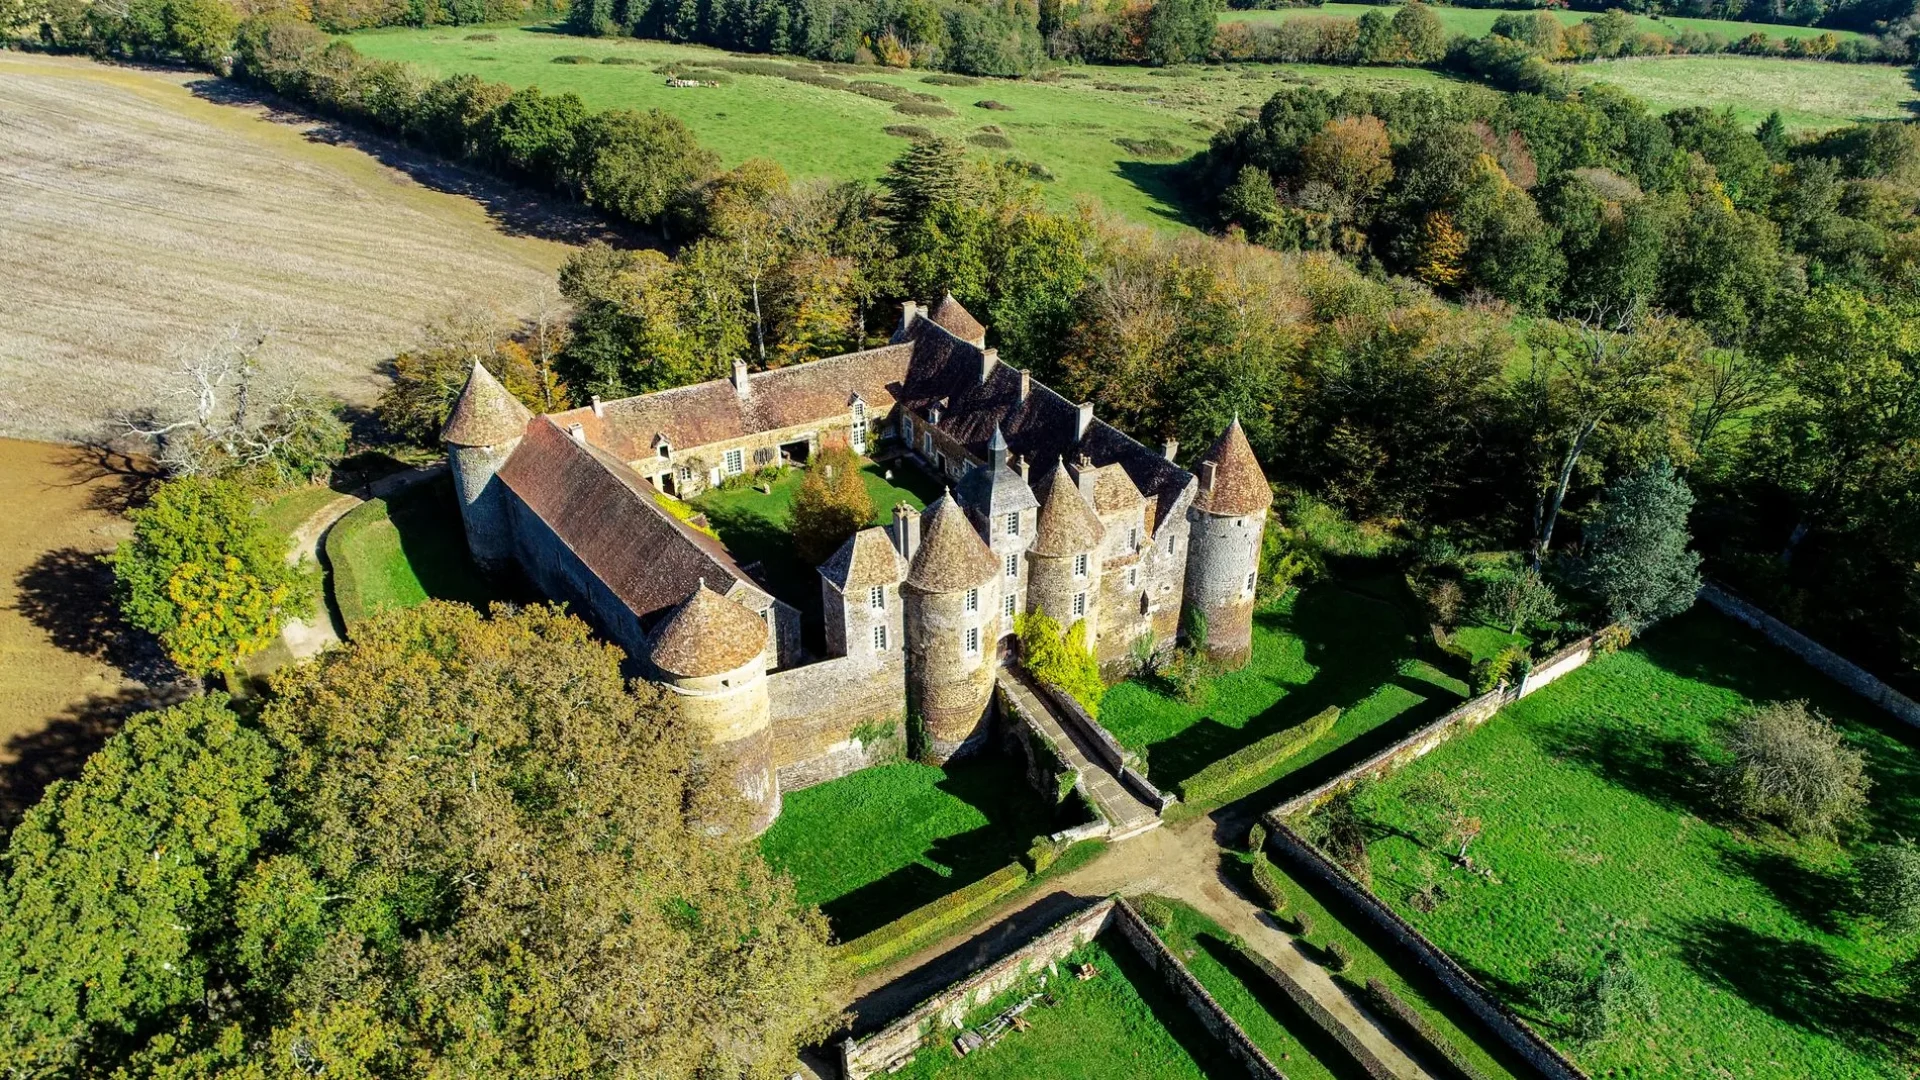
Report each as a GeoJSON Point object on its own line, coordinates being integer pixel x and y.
{"type": "Point", "coordinates": [607, 515]}
{"type": "Point", "coordinates": [958, 320]}
{"type": "Point", "coordinates": [485, 414]}
{"type": "Point", "coordinates": [1067, 524]}
{"type": "Point", "coordinates": [951, 556]}
{"type": "Point", "coordinates": [1113, 490]}
{"type": "Point", "coordinates": [1239, 487]}
{"type": "Point", "coordinates": [867, 558]}
{"type": "Point", "coordinates": [714, 411]}
{"type": "Point", "coordinates": [706, 635]}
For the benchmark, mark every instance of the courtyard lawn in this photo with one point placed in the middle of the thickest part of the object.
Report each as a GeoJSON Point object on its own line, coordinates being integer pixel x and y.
{"type": "Point", "coordinates": [872, 846]}
{"type": "Point", "coordinates": [1330, 644]}
{"type": "Point", "coordinates": [1485, 642]}
{"type": "Point", "coordinates": [1121, 1023]}
{"type": "Point", "coordinates": [1598, 833]}
{"type": "Point", "coordinates": [402, 550]}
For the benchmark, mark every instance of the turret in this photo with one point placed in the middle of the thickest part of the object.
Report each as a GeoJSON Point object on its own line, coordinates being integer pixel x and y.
{"type": "Point", "coordinates": [1228, 516]}
{"type": "Point", "coordinates": [486, 425]}
{"type": "Point", "coordinates": [711, 656]}
{"type": "Point", "coordinates": [1003, 509]}
{"type": "Point", "coordinates": [1063, 565]}
{"type": "Point", "coordinates": [952, 597]}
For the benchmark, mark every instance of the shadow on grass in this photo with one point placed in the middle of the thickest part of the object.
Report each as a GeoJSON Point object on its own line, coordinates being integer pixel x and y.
{"type": "Point", "coordinates": [1662, 768]}
{"type": "Point", "coordinates": [60, 749]}
{"type": "Point", "coordinates": [1799, 982]}
{"type": "Point", "coordinates": [427, 519]}
{"type": "Point", "coordinates": [1815, 896]}
{"type": "Point", "coordinates": [1170, 1011]}
{"type": "Point", "coordinates": [1317, 1041]}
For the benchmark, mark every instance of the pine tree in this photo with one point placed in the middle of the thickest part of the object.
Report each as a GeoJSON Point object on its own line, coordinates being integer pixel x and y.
{"type": "Point", "coordinates": [931, 173]}
{"type": "Point", "coordinates": [1637, 560]}
{"type": "Point", "coordinates": [1772, 134]}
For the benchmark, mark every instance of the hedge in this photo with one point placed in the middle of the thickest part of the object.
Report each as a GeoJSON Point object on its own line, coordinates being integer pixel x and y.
{"type": "Point", "coordinates": [1369, 1063]}
{"type": "Point", "coordinates": [1267, 883]}
{"type": "Point", "coordinates": [918, 927]}
{"type": "Point", "coordinates": [1413, 1027]}
{"type": "Point", "coordinates": [1224, 777]}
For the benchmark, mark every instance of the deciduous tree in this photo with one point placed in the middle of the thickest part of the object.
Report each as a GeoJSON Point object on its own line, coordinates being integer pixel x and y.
{"type": "Point", "coordinates": [1788, 763]}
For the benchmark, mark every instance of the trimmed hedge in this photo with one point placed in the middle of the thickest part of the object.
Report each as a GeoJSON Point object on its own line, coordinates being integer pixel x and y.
{"type": "Point", "coordinates": [1413, 1027]}
{"type": "Point", "coordinates": [918, 927]}
{"type": "Point", "coordinates": [1267, 882]}
{"type": "Point", "coordinates": [1221, 779]}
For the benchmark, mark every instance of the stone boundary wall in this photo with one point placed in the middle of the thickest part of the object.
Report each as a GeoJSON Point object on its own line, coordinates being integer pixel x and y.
{"type": "Point", "coordinates": [1181, 981]}
{"type": "Point", "coordinates": [1817, 656]}
{"type": "Point", "coordinates": [1304, 1000]}
{"type": "Point", "coordinates": [1111, 753]}
{"type": "Point", "coordinates": [1499, 1020]}
{"type": "Point", "coordinates": [1549, 670]}
{"type": "Point", "coordinates": [816, 708]}
{"type": "Point", "coordinates": [897, 1042]}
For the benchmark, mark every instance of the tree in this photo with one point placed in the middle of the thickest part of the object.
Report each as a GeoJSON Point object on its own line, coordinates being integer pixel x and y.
{"type": "Point", "coordinates": [1788, 763]}
{"type": "Point", "coordinates": [832, 504]}
{"type": "Point", "coordinates": [427, 379]}
{"type": "Point", "coordinates": [203, 572]}
{"type": "Point", "coordinates": [1637, 559]}
{"type": "Point", "coordinates": [930, 173]}
{"type": "Point", "coordinates": [1519, 598]}
{"type": "Point", "coordinates": [1061, 659]}
{"type": "Point", "coordinates": [638, 165]}
{"type": "Point", "coordinates": [1890, 885]}
{"type": "Point", "coordinates": [1421, 38]}
{"type": "Point", "coordinates": [536, 135]}
{"type": "Point", "coordinates": [1592, 999]}
{"type": "Point", "coordinates": [110, 907]}
{"type": "Point", "coordinates": [1352, 155]}
{"type": "Point", "coordinates": [1179, 31]}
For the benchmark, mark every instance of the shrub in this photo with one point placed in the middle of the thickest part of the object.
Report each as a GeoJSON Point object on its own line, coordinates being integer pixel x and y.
{"type": "Point", "coordinates": [827, 82]}
{"type": "Point", "coordinates": [917, 927]}
{"type": "Point", "coordinates": [1444, 601]}
{"type": "Point", "coordinates": [483, 37]}
{"type": "Point", "coordinates": [1590, 1002]}
{"type": "Point", "coordinates": [618, 60]}
{"type": "Point", "coordinates": [1227, 775]}
{"type": "Point", "coordinates": [880, 91]}
{"type": "Point", "coordinates": [1041, 854]}
{"type": "Point", "coordinates": [1503, 666]}
{"type": "Point", "coordinates": [908, 131]}
{"type": "Point", "coordinates": [1155, 911]}
{"type": "Point", "coordinates": [993, 105]}
{"type": "Point", "coordinates": [991, 141]}
{"type": "Point", "coordinates": [1415, 1029]}
{"type": "Point", "coordinates": [1612, 638]}
{"type": "Point", "coordinates": [1033, 170]}
{"type": "Point", "coordinates": [573, 58]}
{"type": "Point", "coordinates": [1061, 660]}
{"type": "Point", "coordinates": [1517, 599]}
{"type": "Point", "coordinates": [1152, 149]}
{"type": "Point", "coordinates": [1890, 885]}
{"type": "Point", "coordinates": [1188, 675]}
{"type": "Point", "coordinates": [922, 108]}
{"type": "Point", "coordinates": [949, 80]}
{"type": "Point", "coordinates": [1257, 838]}
{"type": "Point", "coordinates": [1790, 764]}
{"type": "Point", "coordinates": [1266, 881]}
{"type": "Point", "coordinates": [1302, 924]}
{"type": "Point", "coordinates": [1338, 958]}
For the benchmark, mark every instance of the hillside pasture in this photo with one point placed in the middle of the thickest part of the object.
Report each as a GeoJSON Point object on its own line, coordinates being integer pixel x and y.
{"type": "Point", "coordinates": [141, 217]}
{"type": "Point", "coordinates": [1810, 95]}
{"type": "Point", "coordinates": [1476, 22]}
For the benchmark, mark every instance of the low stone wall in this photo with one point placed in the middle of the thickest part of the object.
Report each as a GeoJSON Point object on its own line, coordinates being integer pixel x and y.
{"type": "Point", "coordinates": [1550, 669]}
{"type": "Point", "coordinates": [898, 1041]}
{"type": "Point", "coordinates": [1306, 861]}
{"type": "Point", "coordinates": [835, 717]}
{"type": "Point", "coordinates": [1303, 999]}
{"type": "Point", "coordinates": [1465, 717]}
{"type": "Point", "coordinates": [1106, 747]}
{"type": "Point", "coordinates": [1188, 989]}
{"type": "Point", "coordinates": [1818, 656]}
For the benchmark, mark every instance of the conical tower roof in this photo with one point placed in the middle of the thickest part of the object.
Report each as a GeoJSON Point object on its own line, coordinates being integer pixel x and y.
{"type": "Point", "coordinates": [1067, 525]}
{"type": "Point", "coordinates": [952, 556]}
{"type": "Point", "coordinates": [957, 320]}
{"type": "Point", "coordinates": [486, 414]}
{"type": "Point", "coordinates": [1239, 488]}
{"type": "Point", "coordinates": [709, 634]}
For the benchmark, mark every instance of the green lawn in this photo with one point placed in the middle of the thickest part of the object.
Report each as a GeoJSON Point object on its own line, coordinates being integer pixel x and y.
{"type": "Point", "coordinates": [1809, 94]}
{"type": "Point", "coordinates": [1068, 124]}
{"type": "Point", "coordinates": [1485, 642]}
{"type": "Point", "coordinates": [400, 551]}
{"type": "Point", "coordinates": [1120, 1025]}
{"type": "Point", "coordinates": [289, 510]}
{"type": "Point", "coordinates": [1598, 833]}
{"type": "Point", "coordinates": [1335, 643]}
{"type": "Point", "coordinates": [1476, 22]}
{"type": "Point", "coordinates": [872, 846]}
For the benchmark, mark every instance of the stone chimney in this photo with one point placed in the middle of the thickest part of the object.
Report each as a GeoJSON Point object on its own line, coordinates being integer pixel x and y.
{"type": "Point", "coordinates": [988, 358]}
{"type": "Point", "coordinates": [1020, 465]}
{"type": "Point", "coordinates": [906, 530]}
{"type": "Point", "coordinates": [577, 433]}
{"type": "Point", "coordinates": [1083, 473]}
{"type": "Point", "coordinates": [596, 406]}
{"type": "Point", "coordinates": [1206, 475]}
{"type": "Point", "coordinates": [1026, 384]}
{"type": "Point", "coordinates": [909, 311]}
{"type": "Point", "coordinates": [1084, 422]}
{"type": "Point", "coordinates": [740, 377]}
{"type": "Point", "coordinates": [1169, 448]}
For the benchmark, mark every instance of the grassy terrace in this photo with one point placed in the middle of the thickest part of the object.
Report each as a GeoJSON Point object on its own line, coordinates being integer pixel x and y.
{"type": "Point", "coordinates": [402, 550]}
{"type": "Point", "coordinates": [1122, 1023]}
{"type": "Point", "coordinates": [1610, 840]}
{"type": "Point", "coordinates": [870, 847]}
{"type": "Point", "coordinates": [1334, 643]}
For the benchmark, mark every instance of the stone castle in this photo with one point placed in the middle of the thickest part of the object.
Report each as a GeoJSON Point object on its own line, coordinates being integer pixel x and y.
{"type": "Point", "coordinates": [1048, 508]}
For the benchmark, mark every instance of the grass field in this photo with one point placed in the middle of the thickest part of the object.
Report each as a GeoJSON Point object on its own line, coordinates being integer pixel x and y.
{"type": "Point", "coordinates": [1609, 839]}
{"type": "Point", "coordinates": [289, 510]}
{"type": "Point", "coordinates": [1331, 644]}
{"type": "Point", "coordinates": [1069, 125]}
{"type": "Point", "coordinates": [874, 845]}
{"type": "Point", "coordinates": [399, 551]}
{"type": "Point", "coordinates": [1121, 1023]}
{"type": "Point", "coordinates": [1810, 94]}
{"type": "Point", "coordinates": [1476, 22]}
{"type": "Point", "coordinates": [138, 218]}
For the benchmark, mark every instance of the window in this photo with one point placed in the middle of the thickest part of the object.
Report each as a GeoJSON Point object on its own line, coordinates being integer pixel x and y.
{"type": "Point", "coordinates": [973, 600]}
{"type": "Point", "coordinates": [1079, 566]}
{"type": "Point", "coordinates": [972, 641]}
{"type": "Point", "coordinates": [665, 450]}
{"type": "Point", "coordinates": [1169, 543]}
{"type": "Point", "coordinates": [877, 598]}
{"type": "Point", "coordinates": [1133, 576]}
{"type": "Point", "coordinates": [859, 437]}
{"type": "Point", "coordinates": [736, 462]}
{"type": "Point", "coordinates": [1133, 538]}
{"type": "Point", "coordinates": [926, 443]}
{"type": "Point", "coordinates": [880, 638]}
{"type": "Point", "coordinates": [1013, 524]}
{"type": "Point", "coordinates": [1079, 604]}
{"type": "Point", "coordinates": [1013, 566]}
{"type": "Point", "coordinates": [1249, 582]}
{"type": "Point", "coordinates": [1007, 606]}
{"type": "Point", "coordinates": [686, 474]}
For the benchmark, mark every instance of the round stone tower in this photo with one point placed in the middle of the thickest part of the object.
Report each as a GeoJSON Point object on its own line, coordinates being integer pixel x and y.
{"type": "Point", "coordinates": [952, 596]}
{"type": "Point", "coordinates": [1229, 516]}
{"type": "Point", "coordinates": [711, 655]}
{"type": "Point", "coordinates": [1063, 565]}
{"type": "Point", "coordinates": [487, 423]}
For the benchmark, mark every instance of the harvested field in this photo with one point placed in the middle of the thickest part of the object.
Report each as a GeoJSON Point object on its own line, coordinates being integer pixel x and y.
{"type": "Point", "coordinates": [139, 213]}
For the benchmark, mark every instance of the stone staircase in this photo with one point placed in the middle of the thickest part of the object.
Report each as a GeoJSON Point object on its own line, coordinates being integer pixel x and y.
{"type": "Point", "coordinates": [1128, 814]}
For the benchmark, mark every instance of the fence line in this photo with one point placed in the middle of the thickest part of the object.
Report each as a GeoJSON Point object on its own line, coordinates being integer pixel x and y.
{"type": "Point", "coordinates": [1817, 656]}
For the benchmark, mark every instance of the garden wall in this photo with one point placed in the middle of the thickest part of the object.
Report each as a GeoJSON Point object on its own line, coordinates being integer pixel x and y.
{"type": "Point", "coordinates": [1106, 747]}
{"type": "Point", "coordinates": [1818, 656]}
{"type": "Point", "coordinates": [1305, 861]}
{"type": "Point", "coordinates": [835, 717]}
{"type": "Point", "coordinates": [1188, 989]}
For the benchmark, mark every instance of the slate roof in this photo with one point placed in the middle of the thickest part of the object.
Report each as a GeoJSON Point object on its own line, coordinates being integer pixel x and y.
{"type": "Point", "coordinates": [952, 556]}
{"type": "Point", "coordinates": [607, 515]}
{"type": "Point", "coordinates": [958, 321]}
{"type": "Point", "coordinates": [485, 414]}
{"type": "Point", "coordinates": [994, 489]}
{"type": "Point", "coordinates": [868, 558]}
{"type": "Point", "coordinates": [1067, 524]}
{"type": "Point", "coordinates": [706, 635]}
{"type": "Point", "coordinates": [1239, 488]}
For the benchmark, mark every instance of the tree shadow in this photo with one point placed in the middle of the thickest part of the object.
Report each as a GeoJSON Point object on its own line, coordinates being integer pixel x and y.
{"type": "Point", "coordinates": [1169, 1010]}
{"type": "Point", "coordinates": [1799, 982]}
{"type": "Point", "coordinates": [116, 481]}
{"type": "Point", "coordinates": [68, 593]}
{"type": "Point", "coordinates": [60, 749]}
{"type": "Point", "coordinates": [1817, 897]}
{"type": "Point", "coordinates": [1171, 183]}
{"type": "Point", "coordinates": [1317, 1041]}
{"type": "Point", "coordinates": [427, 518]}
{"type": "Point", "coordinates": [1662, 768]}
{"type": "Point", "coordinates": [516, 211]}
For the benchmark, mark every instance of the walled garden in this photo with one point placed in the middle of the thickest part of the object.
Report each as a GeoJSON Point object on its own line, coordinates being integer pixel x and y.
{"type": "Point", "coordinates": [401, 550]}
{"type": "Point", "coordinates": [1739, 942]}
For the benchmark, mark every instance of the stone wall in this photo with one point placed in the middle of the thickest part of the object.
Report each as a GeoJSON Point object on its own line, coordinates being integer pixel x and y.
{"type": "Point", "coordinates": [1178, 979]}
{"type": "Point", "coordinates": [1560, 663]}
{"type": "Point", "coordinates": [1105, 747]}
{"type": "Point", "coordinates": [952, 690]}
{"type": "Point", "coordinates": [1818, 656]}
{"type": "Point", "coordinates": [828, 718]}
{"type": "Point", "coordinates": [484, 512]}
{"type": "Point", "coordinates": [559, 574]}
{"type": "Point", "coordinates": [1496, 1019]}
{"type": "Point", "coordinates": [1224, 551]}
{"type": "Point", "coordinates": [898, 1041]}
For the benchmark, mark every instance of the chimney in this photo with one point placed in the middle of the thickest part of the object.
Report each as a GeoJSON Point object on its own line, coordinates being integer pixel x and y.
{"type": "Point", "coordinates": [1206, 475]}
{"type": "Point", "coordinates": [1083, 476]}
{"type": "Point", "coordinates": [988, 358]}
{"type": "Point", "coordinates": [596, 406]}
{"type": "Point", "coordinates": [1020, 464]}
{"type": "Point", "coordinates": [578, 433]}
{"type": "Point", "coordinates": [740, 377]}
{"type": "Point", "coordinates": [906, 530]}
{"type": "Point", "coordinates": [1086, 421]}
{"type": "Point", "coordinates": [909, 311]}
{"type": "Point", "coordinates": [1026, 384]}
{"type": "Point", "coordinates": [1170, 448]}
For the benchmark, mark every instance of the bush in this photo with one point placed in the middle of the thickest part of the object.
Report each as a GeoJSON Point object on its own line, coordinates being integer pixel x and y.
{"type": "Point", "coordinates": [1033, 170]}
{"type": "Point", "coordinates": [483, 37]}
{"type": "Point", "coordinates": [1338, 958]}
{"type": "Point", "coordinates": [949, 80]}
{"type": "Point", "coordinates": [922, 108]}
{"type": "Point", "coordinates": [574, 58]}
{"type": "Point", "coordinates": [1612, 638]}
{"type": "Point", "coordinates": [1151, 149]}
{"type": "Point", "coordinates": [618, 60]}
{"type": "Point", "coordinates": [1890, 885]}
{"type": "Point", "coordinates": [1590, 1002]}
{"type": "Point", "coordinates": [993, 105]}
{"type": "Point", "coordinates": [917, 927]}
{"type": "Point", "coordinates": [991, 141]}
{"type": "Point", "coordinates": [1155, 911]}
{"type": "Point", "coordinates": [1224, 777]}
{"type": "Point", "coordinates": [1266, 881]}
{"type": "Point", "coordinates": [1504, 666]}
{"type": "Point", "coordinates": [1790, 764]}
{"type": "Point", "coordinates": [1415, 1029]}
{"type": "Point", "coordinates": [1302, 924]}
{"type": "Point", "coordinates": [1041, 854]}
{"type": "Point", "coordinates": [1257, 838]}
{"type": "Point", "coordinates": [1062, 661]}
{"type": "Point", "coordinates": [1188, 675]}
{"type": "Point", "coordinates": [880, 91]}
{"type": "Point", "coordinates": [826, 82]}
{"type": "Point", "coordinates": [908, 131]}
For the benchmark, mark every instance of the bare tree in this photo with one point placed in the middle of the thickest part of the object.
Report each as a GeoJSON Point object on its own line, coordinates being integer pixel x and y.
{"type": "Point", "coordinates": [219, 413]}
{"type": "Point", "coordinates": [1731, 381]}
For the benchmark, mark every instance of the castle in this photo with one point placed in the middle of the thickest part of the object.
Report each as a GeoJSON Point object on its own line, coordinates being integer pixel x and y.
{"type": "Point", "coordinates": [1048, 508]}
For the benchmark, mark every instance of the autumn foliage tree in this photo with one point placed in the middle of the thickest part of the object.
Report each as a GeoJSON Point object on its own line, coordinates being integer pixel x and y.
{"type": "Point", "coordinates": [832, 504]}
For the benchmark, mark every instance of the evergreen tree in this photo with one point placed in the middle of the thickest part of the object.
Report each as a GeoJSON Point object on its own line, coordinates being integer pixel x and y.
{"type": "Point", "coordinates": [1637, 559]}
{"type": "Point", "coordinates": [931, 173]}
{"type": "Point", "coordinates": [1772, 134]}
